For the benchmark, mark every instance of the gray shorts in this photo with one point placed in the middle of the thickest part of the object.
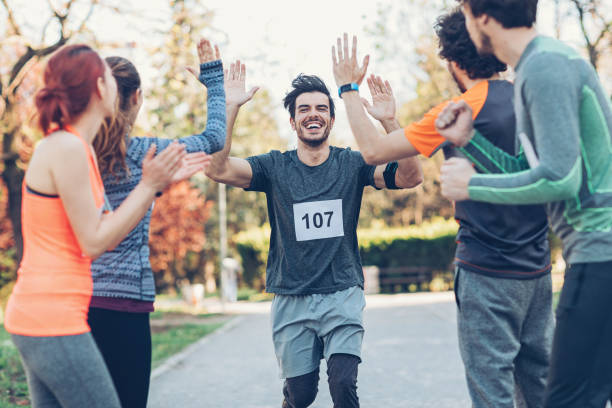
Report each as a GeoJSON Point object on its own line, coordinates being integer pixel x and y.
{"type": "Point", "coordinates": [307, 328]}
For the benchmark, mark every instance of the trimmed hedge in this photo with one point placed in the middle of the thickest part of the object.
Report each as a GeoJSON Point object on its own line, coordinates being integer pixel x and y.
{"type": "Point", "coordinates": [430, 244]}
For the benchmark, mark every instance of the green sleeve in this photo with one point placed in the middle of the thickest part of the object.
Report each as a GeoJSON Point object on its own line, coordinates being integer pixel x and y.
{"type": "Point", "coordinates": [489, 158]}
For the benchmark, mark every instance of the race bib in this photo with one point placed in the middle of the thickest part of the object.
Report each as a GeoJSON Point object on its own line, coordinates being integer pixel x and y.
{"type": "Point", "coordinates": [318, 219]}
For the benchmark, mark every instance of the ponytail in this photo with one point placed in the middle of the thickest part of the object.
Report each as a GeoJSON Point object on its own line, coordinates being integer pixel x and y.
{"type": "Point", "coordinates": [110, 143]}
{"type": "Point", "coordinates": [70, 80]}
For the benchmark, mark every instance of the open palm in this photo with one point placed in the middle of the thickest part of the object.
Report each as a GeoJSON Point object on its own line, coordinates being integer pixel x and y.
{"type": "Point", "coordinates": [383, 101]}
{"type": "Point", "coordinates": [190, 165]}
{"type": "Point", "coordinates": [235, 88]}
{"type": "Point", "coordinates": [205, 54]}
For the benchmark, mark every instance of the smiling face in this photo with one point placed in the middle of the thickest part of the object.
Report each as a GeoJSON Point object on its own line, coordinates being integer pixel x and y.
{"type": "Point", "coordinates": [313, 121]}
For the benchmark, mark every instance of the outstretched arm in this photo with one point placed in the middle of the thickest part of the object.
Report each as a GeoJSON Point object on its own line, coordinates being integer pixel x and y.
{"type": "Point", "coordinates": [456, 125]}
{"type": "Point", "coordinates": [556, 164]}
{"type": "Point", "coordinates": [223, 168]}
{"type": "Point", "coordinates": [95, 233]}
{"type": "Point", "coordinates": [376, 149]}
{"type": "Point", "coordinates": [212, 139]}
{"type": "Point", "coordinates": [408, 172]}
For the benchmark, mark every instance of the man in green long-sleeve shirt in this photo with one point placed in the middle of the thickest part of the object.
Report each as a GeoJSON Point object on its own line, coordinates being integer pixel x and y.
{"type": "Point", "coordinates": [564, 124]}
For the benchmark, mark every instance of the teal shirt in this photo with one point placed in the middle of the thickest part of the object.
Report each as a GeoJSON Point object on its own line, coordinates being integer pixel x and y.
{"type": "Point", "coordinates": [563, 110]}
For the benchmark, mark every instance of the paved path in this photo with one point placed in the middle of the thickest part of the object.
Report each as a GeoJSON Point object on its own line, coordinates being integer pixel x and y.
{"type": "Point", "coordinates": [410, 359]}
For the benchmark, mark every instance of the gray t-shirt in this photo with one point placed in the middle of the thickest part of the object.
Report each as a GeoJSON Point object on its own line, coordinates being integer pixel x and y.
{"type": "Point", "coordinates": [313, 214]}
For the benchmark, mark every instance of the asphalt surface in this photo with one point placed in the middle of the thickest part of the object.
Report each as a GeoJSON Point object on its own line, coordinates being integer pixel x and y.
{"type": "Point", "coordinates": [410, 359]}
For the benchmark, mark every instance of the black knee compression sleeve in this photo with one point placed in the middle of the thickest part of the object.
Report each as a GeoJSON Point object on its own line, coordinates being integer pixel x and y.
{"type": "Point", "coordinates": [301, 391]}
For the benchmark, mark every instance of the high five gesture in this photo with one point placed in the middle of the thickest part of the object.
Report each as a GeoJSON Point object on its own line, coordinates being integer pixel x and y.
{"type": "Point", "coordinates": [346, 67]}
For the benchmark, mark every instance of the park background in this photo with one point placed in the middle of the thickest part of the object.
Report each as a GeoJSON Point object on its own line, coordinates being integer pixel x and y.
{"type": "Point", "coordinates": [277, 40]}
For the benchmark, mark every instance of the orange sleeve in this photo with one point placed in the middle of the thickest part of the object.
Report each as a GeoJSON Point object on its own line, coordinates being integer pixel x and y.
{"type": "Point", "coordinates": [423, 135]}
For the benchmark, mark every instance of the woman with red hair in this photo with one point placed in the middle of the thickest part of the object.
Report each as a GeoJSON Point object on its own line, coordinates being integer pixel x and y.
{"type": "Point", "coordinates": [64, 228]}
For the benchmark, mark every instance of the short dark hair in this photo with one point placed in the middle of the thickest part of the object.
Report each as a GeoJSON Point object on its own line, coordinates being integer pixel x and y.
{"type": "Point", "coordinates": [510, 13]}
{"type": "Point", "coordinates": [303, 84]}
{"type": "Point", "coordinates": [455, 45]}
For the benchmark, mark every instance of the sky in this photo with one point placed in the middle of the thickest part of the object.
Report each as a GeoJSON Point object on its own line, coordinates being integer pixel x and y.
{"type": "Point", "coordinates": [276, 39]}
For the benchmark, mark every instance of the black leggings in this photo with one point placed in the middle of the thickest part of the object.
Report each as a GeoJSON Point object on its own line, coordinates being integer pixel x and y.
{"type": "Point", "coordinates": [581, 365]}
{"type": "Point", "coordinates": [124, 339]}
{"type": "Point", "coordinates": [301, 391]}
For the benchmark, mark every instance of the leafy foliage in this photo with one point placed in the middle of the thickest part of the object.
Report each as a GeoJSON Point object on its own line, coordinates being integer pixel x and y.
{"type": "Point", "coordinates": [430, 244]}
{"type": "Point", "coordinates": [177, 227]}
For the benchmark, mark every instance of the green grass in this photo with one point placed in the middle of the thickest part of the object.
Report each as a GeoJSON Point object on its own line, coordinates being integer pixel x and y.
{"type": "Point", "coordinates": [161, 314]}
{"type": "Point", "coordinates": [13, 385]}
{"type": "Point", "coordinates": [246, 294]}
{"type": "Point", "coordinates": [175, 339]}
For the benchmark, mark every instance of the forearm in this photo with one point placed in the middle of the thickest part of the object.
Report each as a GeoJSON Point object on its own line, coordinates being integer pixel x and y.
{"type": "Point", "coordinates": [489, 158]}
{"type": "Point", "coordinates": [220, 160]}
{"type": "Point", "coordinates": [367, 136]}
{"type": "Point", "coordinates": [212, 139]}
{"type": "Point", "coordinates": [535, 186]}
{"type": "Point", "coordinates": [215, 133]}
{"type": "Point", "coordinates": [230, 170]}
{"type": "Point", "coordinates": [390, 125]}
{"type": "Point", "coordinates": [409, 173]}
{"type": "Point", "coordinates": [114, 227]}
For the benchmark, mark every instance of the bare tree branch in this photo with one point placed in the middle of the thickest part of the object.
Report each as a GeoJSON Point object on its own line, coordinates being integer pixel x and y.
{"type": "Point", "coordinates": [11, 18]}
{"type": "Point", "coordinates": [592, 46]}
{"type": "Point", "coordinates": [605, 31]}
{"type": "Point", "coordinates": [89, 13]}
{"type": "Point", "coordinates": [11, 90]}
{"type": "Point", "coordinates": [53, 9]}
{"type": "Point", "coordinates": [29, 54]}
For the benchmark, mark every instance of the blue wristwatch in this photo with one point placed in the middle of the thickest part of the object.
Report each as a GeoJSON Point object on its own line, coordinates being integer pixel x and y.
{"type": "Point", "coordinates": [347, 87]}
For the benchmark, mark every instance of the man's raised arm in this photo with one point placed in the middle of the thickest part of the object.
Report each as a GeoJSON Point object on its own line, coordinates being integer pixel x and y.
{"type": "Point", "coordinates": [375, 148]}
{"type": "Point", "coordinates": [223, 168]}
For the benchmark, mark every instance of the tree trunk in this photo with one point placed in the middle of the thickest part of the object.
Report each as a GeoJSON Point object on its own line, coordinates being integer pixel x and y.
{"type": "Point", "coordinates": [13, 179]}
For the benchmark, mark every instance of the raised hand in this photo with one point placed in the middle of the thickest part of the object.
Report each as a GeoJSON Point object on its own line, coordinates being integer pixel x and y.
{"type": "Point", "coordinates": [205, 54]}
{"type": "Point", "coordinates": [455, 123]}
{"type": "Point", "coordinates": [190, 165]}
{"type": "Point", "coordinates": [455, 176]}
{"type": "Point", "coordinates": [158, 171]}
{"type": "Point", "coordinates": [235, 89]}
{"type": "Point", "coordinates": [383, 101]}
{"type": "Point", "coordinates": [346, 67]}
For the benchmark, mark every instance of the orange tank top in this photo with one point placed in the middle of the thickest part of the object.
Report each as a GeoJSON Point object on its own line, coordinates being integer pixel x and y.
{"type": "Point", "coordinates": [54, 284]}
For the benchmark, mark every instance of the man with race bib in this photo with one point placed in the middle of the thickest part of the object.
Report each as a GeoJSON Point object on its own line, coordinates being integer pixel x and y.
{"type": "Point", "coordinates": [314, 269]}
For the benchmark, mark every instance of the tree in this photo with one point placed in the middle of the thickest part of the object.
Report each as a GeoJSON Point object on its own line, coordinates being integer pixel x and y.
{"type": "Point", "coordinates": [176, 99]}
{"type": "Point", "coordinates": [178, 109]}
{"type": "Point", "coordinates": [7, 244]}
{"type": "Point", "coordinates": [425, 74]}
{"type": "Point", "coordinates": [177, 229]}
{"type": "Point", "coordinates": [595, 20]}
{"type": "Point", "coordinates": [22, 55]}
{"type": "Point", "coordinates": [255, 132]}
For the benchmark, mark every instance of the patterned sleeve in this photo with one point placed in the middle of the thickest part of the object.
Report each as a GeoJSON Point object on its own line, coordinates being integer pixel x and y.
{"type": "Point", "coordinates": [212, 139]}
